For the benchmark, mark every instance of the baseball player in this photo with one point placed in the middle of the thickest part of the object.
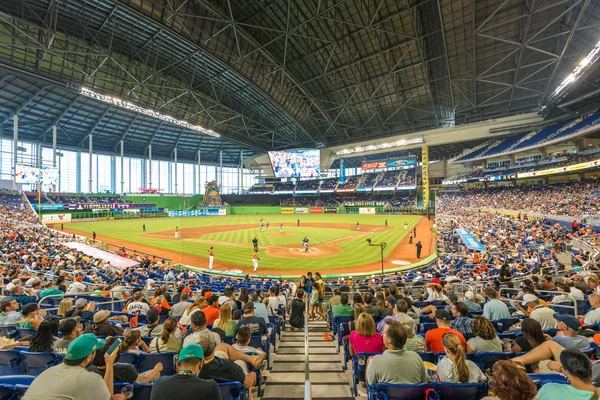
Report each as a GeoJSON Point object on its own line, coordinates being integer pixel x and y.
{"type": "Point", "coordinates": [255, 244]}
{"type": "Point", "coordinates": [262, 226]}
{"type": "Point", "coordinates": [280, 228]}
{"type": "Point", "coordinates": [305, 241]}
{"type": "Point", "coordinates": [255, 261]}
{"type": "Point", "coordinates": [267, 225]}
{"type": "Point", "coordinates": [357, 226]}
{"type": "Point", "coordinates": [176, 232]}
{"type": "Point", "coordinates": [211, 257]}
{"type": "Point", "coordinates": [405, 225]}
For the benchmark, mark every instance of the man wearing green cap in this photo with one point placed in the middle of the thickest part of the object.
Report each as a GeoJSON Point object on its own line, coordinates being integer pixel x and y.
{"type": "Point", "coordinates": [70, 380]}
{"type": "Point", "coordinates": [186, 383]}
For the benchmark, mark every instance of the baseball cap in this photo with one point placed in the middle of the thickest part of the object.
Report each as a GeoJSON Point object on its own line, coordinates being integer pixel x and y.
{"type": "Point", "coordinates": [152, 315]}
{"type": "Point", "coordinates": [442, 315]}
{"type": "Point", "coordinates": [29, 308]}
{"type": "Point", "coordinates": [469, 295]}
{"type": "Point", "coordinates": [81, 302]}
{"type": "Point", "coordinates": [83, 346]}
{"type": "Point", "coordinates": [186, 290]}
{"type": "Point", "coordinates": [453, 297]}
{"type": "Point", "coordinates": [101, 316]}
{"type": "Point", "coordinates": [528, 298]}
{"type": "Point", "coordinates": [68, 325]}
{"type": "Point", "coordinates": [569, 320]}
{"type": "Point", "coordinates": [191, 351]}
{"type": "Point", "coordinates": [248, 307]}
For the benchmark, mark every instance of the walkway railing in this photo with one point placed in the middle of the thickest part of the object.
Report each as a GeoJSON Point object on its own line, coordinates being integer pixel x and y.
{"type": "Point", "coordinates": [112, 301]}
{"type": "Point", "coordinates": [307, 384]}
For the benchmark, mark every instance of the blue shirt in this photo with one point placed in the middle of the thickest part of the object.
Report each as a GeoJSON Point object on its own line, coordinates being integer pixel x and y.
{"type": "Point", "coordinates": [495, 310]}
{"type": "Point", "coordinates": [559, 391]}
{"type": "Point", "coordinates": [22, 299]}
{"type": "Point", "coordinates": [580, 343]}
{"type": "Point", "coordinates": [260, 310]}
{"type": "Point", "coordinates": [471, 305]}
{"type": "Point", "coordinates": [462, 325]}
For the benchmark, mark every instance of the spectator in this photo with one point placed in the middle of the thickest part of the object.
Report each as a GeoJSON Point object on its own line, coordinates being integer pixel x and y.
{"type": "Point", "coordinates": [122, 372]}
{"type": "Point", "coordinates": [433, 337]}
{"type": "Point", "coordinates": [77, 287]}
{"type": "Point", "coordinates": [46, 336]}
{"type": "Point", "coordinates": [543, 315]}
{"type": "Point", "coordinates": [343, 309]}
{"type": "Point", "coordinates": [563, 288]}
{"type": "Point", "coordinates": [231, 301]}
{"type": "Point", "coordinates": [486, 339]}
{"type": "Point", "coordinates": [461, 322]}
{"type": "Point", "coordinates": [531, 337]}
{"type": "Point", "coordinates": [396, 365]}
{"type": "Point", "coordinates": [578, 369]}
{"type": "Point", "coordinates": [365, 339]}
{"type": "Point", "coordinates": [31, 316]}
{"type": "Point", "coordinates": [9, 316]}
{"type": "Point", "coordinates": [243, 337]}
{"type": "Point", "coordinates": [336, 299]}
{"type": "Point", "coordinates": [568, 335]}
{"type": "Point", "coordinates": [66, 380]}
{"type": "Point", "coordinates": [168, 340]}
{"type": "Point", "coordinates": [133, 343]}
{"type": "Point", "coordinates": [198, 305]}
{"type": "Point", "coordinates": [275, 299]}
{"type": "Point", "coordinates": [138, 306]}
{"type": "Point", "coordinates": [186, 383]}
{"type": "Point", "coordinates": [414, 342]}
{"type": "Point", "coordinates": [547, 284]}
{"type": "Point", "coordinates": [17, 293]}
{"type": "Point", "coordinates": [257, 325]}
{"type": "Point", "coordinates": [592, 317]}
{"type": "Point", "coordinates": [374, 312]}
{"type": "Point", "coordinates": [454, 367]}
{"type": "Point", "coordinates": [71, 329]}
{"type": "Point", "coordinates": [469, 301]}
{"type": "Point", "coordinates": [494, 309]}
{"type": "Point", "coordinates": [154, 328]}
{"type": "Point", "coordinates": [400, 314]}
{"type": "Point", "coordinates": [178, 309]}
{"type": "Point", "coordinates": [225, 321]}
{"type": "Point", "coordinates": [101, 326]}
{"type": "Point", "coordinates": [198, 322]}
{"type": "Point", "coordinates": [50, 289]}
{"type": "Point", "coordinates": [510, 382]}
{"type": "Point", "coordinates": [83, 309]}
{"type": "Point", "coordinates": [297, 313]}
{"type": "Point", "coordinates": [65, 308]}
{"type": "Point", "coordinates": [259, 308]}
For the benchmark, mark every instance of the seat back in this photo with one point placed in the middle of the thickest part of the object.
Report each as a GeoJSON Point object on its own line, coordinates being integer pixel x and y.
{"type": "Point", "coordinates": [9, 331]}
{"type": "Point", "coordinates": [142, 391]}
{"type": "Point", "coordinates": [399, 392]}
{"type": "Point", "coordinates": [338, 320]}
{"type": "Point", "coordinates": [232, 391]}
{"type": "Point", "coordinates": [7, 392]}
{"type": "Point", "coordinates": [147, 361]}
{"type": "Point", "coordinates": [11, 363]}
{"type": "Point", "coordinates": [427, 356]}
{"type": "Point", "coordinates": [24, 332]}
{"type": "Point", "coordinates": [460, 391]}
{"type": "Point", "coordinates": [36, 363]}
{"type": "Point", "coordinates": [489, 358]}
{"type": "Point", "coordinates": [129, 358]}
{"type": "Point", "coordinates": [504, 324]}
{"type": "Point", "coordinates": [18, 383]}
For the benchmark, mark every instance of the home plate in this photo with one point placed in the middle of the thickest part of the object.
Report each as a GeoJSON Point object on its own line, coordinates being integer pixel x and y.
{"type": "Point", "coordinates": [297, 250]}
{"type": "Point", "coordinates": [401, 262]}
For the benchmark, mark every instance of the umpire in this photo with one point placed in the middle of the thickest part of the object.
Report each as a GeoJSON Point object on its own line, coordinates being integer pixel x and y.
{"type": "Point", "coordinates": [255, 244]}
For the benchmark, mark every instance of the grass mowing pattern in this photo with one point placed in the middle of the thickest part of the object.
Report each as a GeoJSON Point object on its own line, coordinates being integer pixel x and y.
{"type": "Point", "coordinates": [356, 252]}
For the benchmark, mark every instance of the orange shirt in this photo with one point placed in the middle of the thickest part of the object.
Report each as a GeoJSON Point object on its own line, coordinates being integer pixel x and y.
{"type": "Point", "coordinates": [211, 313]}
{"type": "Point", "coordinates": [433, 339]}
{"type": "Point", "coordinates": [212, 253]}
{"type": "Point", "coordinates": [165, 303]}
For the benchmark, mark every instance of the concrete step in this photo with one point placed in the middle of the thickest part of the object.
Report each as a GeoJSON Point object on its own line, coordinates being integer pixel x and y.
{"type": "Point", "coordinates": [312, 345]}
{"type": "Point", "coordinates": [311, 350]}
{"type": "Point", "coordinates": [316, 367]}
{"type": "Point", "coordinates": [319, 357]}
{"type": "Point", "coordinates": [324, 390]}
{"type": "Point", "coordinates": [315, 377]}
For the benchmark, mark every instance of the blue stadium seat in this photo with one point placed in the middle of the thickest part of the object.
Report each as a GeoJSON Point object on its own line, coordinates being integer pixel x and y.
{"type": "Point", "coordinates": [460, 391]}
{"type": "Point", "coordinates": [11, 363]}
{"type": "Point", "coordinates": [24, 332]}
{"type": "Point", "coordinates": [7, 392]}
{"type": "Point", "coordinates": [398, 392]}
{"type": "Point", "coordinates": [489, 358]}
{"type": "Point", "coordinates": [9, 331]}
{"type": "Point", "coordinates": [36, 363]}
{"type": "Point", "coordinates": [343, 330]}
{"type": "Point", "coordinates": [428, 356]}
{"type": "Point", "coordinates": [233, 391]}
{"type": "Point", "coordinates": [504, 324]}
{"type": "Point", "coordinates": [147, 361]}
{"type": "Point", "coordinates": [16, 384]}
{"type": "Point", "coordinates": [142, 391]}
{"type": "Point", "coordinates": [337, 321]}
{"type": "Point", "coordinates": [358, 369]}
{"type": "Point", "coordinates": [129, 358]}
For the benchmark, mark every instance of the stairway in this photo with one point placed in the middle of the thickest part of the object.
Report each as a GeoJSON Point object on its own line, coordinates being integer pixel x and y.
{"type": "Point", "coordinates": [328, 378]}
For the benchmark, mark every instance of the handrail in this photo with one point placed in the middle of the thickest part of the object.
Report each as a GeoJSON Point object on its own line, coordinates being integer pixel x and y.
{"type": "Point", "coordinates": [112, 302]}
{"type": "Point", "coordinates": [550, 304]}
{"type": "Point", "coordinates": [307, 384]}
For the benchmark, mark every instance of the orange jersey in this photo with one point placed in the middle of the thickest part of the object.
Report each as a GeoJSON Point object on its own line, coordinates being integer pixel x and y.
{"type": "Point", "coordinates": [255, 256]}
{"type": "Point", "coordinates": [212, 253]}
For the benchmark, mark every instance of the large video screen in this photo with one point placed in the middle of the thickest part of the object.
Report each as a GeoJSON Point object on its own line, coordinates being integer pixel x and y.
{"type": "Point", "coordinates": [26, 174]}
{"type": "Point", "coordinates": [296, 163]}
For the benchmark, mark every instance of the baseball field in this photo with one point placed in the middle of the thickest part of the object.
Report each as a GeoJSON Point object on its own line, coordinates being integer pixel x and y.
{"type": "Point", "coordinates": [335, 244]}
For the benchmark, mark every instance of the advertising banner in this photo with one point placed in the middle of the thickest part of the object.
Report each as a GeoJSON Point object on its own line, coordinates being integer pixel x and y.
{"type": "Point", "coordinates": [316, 210]}
{"type": "Point", "coordinates": [197, 213]}
{"type": "Point", "coordinates": [287, 210]}
{"type": "Point", "coordinates": [330, 210]}
{"type": "Point", "coordinates": [469, 240]}
{"type": "Point", "coordinates": [56, 218]}
{"type": "Point", "coordinates": [367, 166]}
{"type": "Point", "coordinates": [301, 210]}
{"type": "Point", "coordinates": [342, 171]}
{"type": "Point", "coordinates": [569, 168]}
{"type": "Point", "coordinates": [366, 210]}
{"type": "Point", "coordinates": [45, 207]}
{"type": "Point", "coordinates": [397, 163]}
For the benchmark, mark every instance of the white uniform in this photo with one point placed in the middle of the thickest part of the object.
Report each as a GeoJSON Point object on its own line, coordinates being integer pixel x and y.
{"type": "Point", "coordinates": [210, 261]}
{"type": "Point", "coordinates": [177, 233]}
{"type": "Point", "coordinates": [255, 263]}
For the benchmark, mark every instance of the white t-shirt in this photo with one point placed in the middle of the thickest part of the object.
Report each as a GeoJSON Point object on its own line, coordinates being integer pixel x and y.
{"type": "Point", "coordinates": [222, 300]}
{"type": "Point", "coordinates": [138, 308]}
{"type": "Point", "coordinates": [592, 317]}
{"type": "Point", "coordinates": [75, 288]}
{"type": "Point", "coordinates": [545, 316]}
{"type": "Point", "coordinates": [577, 294]}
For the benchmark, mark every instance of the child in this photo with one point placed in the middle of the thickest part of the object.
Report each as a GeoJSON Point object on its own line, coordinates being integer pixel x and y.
{"type": "Point", "coordinates": [314, 302]}
{"type": "Point", "coordinates": [243, 339]}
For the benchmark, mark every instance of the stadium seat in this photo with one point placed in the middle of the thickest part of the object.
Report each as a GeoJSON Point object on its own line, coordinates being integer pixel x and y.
{"type": "Point", "coordinates": [25, 332]}
{"type": "Point", "coordinates": [489, 358]}
{"type": "Point", "coordinates": [460, 391]}
{"type": "Point", "coordinates": [504, 324]}
{"type": "Point", "coordinates": [359, 368]}
{"type": "Point", "coordinates": [147, 361]}
{"type": "Point", "coordinates": [9, 331]}
{"type": "Point", "coordinates": [7, 392]}
{"type": "Point", "coordinates": [12, 387]}
{"type": "Point", "coordinates": [11, 363]}
{"type": "Point", "coordinates": [428, 356]}
{"type": "Point", "coordinates": [337, 321]}
{"type": "Point", "coordinates": [36, 363]}
{"type": "Point", "coordinates": [343, 330]}
{"type": "Point", "coordinates": [142, 391]}
{"type": "Point", "coordinates": [129, 358]}
{"type": "Point", "coordinates": [398, 392]}
{"type": "Point", "coordinates": [233, 391]}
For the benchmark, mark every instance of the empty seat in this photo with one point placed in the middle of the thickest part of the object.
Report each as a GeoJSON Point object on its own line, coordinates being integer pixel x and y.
{"type": "Point", "coordinates": [398, 392]}
{"type": "Point", "coordinates": [11, 363]}
{"type": "Point", "coordinates": [36, 363]}
{"type": "Point", "coordinates": [460, 391]}
{"type": "Point", "coordinates": [148, 361]}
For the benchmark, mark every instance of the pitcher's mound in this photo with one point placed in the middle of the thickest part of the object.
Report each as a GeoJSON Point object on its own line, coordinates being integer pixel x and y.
{"type": "Point", "coordinates": [298, 251]}
{"type": "Point", "coordinates": [282, 233]}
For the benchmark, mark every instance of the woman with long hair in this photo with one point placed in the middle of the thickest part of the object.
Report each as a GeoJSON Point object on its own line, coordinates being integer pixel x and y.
{"type": "Point", "coordinates": [65, 308]}
{"type": "Point", "coordinates": [531, 337]}
{"type": "Point", "coordinates": [198, 305]}
{"type": "Point", "coordinates": [168, 340]}
{"type": "Point", "coordinates": [31, 317]}
{"type": "Point", "coordinates": [510, 382]}
{"type": "Point", "coordinates": [486, 339]}
{"type": "Point", "coordinates": [46, 336]}
{"type": "Point", "coordinates": [298, 307]}
{"type": "Point", "coordinates": [133, 343]}
{"type": "Point", "coordinates": [358, 310]}
{"type": "Point", "coordinates": [225, 321]}
{"type": "Point", "coordinates": [365, 337]}
{"type": "Point", "coordinates": [455, 367]}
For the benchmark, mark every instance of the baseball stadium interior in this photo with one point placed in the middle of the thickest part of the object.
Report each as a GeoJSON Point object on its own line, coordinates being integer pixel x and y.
{"type": "Point", "coordinates": [299, 199]}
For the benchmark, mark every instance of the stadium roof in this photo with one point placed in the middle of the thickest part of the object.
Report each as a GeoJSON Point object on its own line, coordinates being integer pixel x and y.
{"type": "Point", "coordinates": [281, 74]}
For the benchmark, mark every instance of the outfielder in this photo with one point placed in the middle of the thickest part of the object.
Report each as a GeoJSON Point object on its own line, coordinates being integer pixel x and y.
{"type": "Point", "coordinates": [255, 261]}
{"type": "Point", "coordinates": [176, 232]}
{"type": "Point", "coordinates": [211, 258]}
{"type": "Point", "coordinates": [280, 228]}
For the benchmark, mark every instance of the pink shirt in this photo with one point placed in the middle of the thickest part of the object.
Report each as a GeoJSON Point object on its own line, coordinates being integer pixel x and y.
{"type": "Point", "coordinates": [364, 344]}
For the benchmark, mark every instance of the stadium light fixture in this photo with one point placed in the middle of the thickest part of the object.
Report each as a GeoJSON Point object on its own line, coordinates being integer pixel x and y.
{"type": "Point", "coordinates": [146, 111]}
{"type": "Point", "coordinates": [382, 245]}
{"type": "Point", "coordinates": [590, 59]}
{"type": "Point", "coordinates": [380, 146]}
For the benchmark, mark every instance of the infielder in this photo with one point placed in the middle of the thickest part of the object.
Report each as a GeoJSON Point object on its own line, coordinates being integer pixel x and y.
{"type": "Point", "coordinates": [305, 241]}
{"type": "Point", "coordinates": [267, 225]}
{"type": "Point", "coordinates": [280, 228]}
{"type": "Point", "coordinates": [176, 232]}
{"type": "Point", "coordinates": [211, 258]}
{"type": "Point", "coordinates": [255, 261]}
{"type": "Point", "coordinates": [357, 226]}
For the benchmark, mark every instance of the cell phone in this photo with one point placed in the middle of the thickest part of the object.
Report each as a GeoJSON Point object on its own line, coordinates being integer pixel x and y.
{"type": "Point", "coordinates": [114, 346]}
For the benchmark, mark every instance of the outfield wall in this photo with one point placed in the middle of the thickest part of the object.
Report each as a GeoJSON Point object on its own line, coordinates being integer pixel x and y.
{"type": "Point", "coordinates": [170, 202]}
{"type": "Point", "coordinates": [255, 210]}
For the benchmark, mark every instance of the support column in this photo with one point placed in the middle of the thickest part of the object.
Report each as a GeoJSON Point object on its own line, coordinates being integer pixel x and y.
{"type": "Point", "coordinates": [122, 167]}
{"type": "Point", "coordinates": [425, 177]}
{"type": "Point", "coordinates": [240, 172]}
{"type": "Point", "coordinates": [175, 160]}
{"type": "Point", "coordinates": [39, 165]}
{"type": "Point", "coordinates": [150, 166]}
{"type": "Point", "coordinates": [199, 177]}
{"type": "Point", "coordinates": [15, 149]}
{"type": "Point", "coordinates": [54, 137]}
{"type": "Point", "coordinates": [221, 170]}
{"type": "Point", "coordinates": [130, 191]}
{"type": "Point", "coordinates": [90, 139]}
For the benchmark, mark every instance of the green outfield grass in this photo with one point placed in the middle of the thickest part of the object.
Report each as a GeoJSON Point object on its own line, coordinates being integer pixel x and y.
{"type": "Point", "coordinates": [355, 250]}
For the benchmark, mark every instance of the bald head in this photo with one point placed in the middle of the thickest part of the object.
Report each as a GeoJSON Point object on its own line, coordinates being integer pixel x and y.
{"type": "Point", "coordinates": [595, 300]}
